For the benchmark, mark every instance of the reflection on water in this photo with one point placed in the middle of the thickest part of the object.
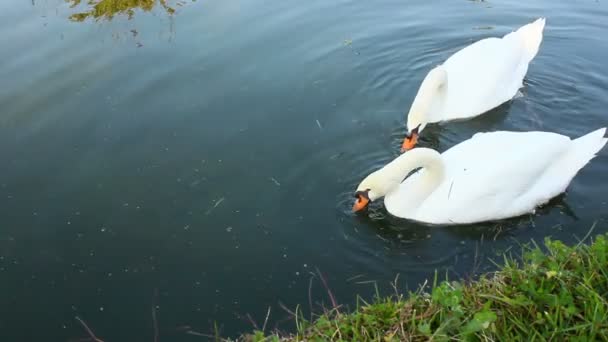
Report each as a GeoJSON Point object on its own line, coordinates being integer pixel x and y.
{"type": "Point", "coordinates": [107, 9]}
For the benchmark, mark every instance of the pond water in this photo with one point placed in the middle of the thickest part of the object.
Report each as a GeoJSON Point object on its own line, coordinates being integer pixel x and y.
{"type": "Point", "coordinates": [203, 162]}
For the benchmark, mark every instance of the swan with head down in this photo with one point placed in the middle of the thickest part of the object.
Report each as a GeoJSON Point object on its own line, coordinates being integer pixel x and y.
{"type": "Point", "coordinates": [474, 80]}
{"type": "Point", "coordinates": [479, 179]}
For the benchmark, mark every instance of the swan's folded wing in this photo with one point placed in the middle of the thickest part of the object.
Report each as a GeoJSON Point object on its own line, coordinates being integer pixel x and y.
{"type": "Point", "coordinates": [484, 75]}
{"type": "Point", "coordinates": [487, 173]}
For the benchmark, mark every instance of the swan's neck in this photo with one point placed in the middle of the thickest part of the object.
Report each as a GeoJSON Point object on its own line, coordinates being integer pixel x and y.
{"type": "Point", "coordinates": [429, 101]}
{"type": "Point", "coordinates": [430, 177]}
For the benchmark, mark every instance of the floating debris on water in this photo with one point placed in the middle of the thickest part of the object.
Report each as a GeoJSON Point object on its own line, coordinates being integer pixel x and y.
{"type": "Point", "coordinates": [217, 203]}
{"type": "Point", "coordinates": [381, 238]}
{"type": "Point", "coordinates": [336, 156]}
{"type": "Point", "coordinates": [483, 28]}
{"type": "Point", "coordinates": [354, 277]}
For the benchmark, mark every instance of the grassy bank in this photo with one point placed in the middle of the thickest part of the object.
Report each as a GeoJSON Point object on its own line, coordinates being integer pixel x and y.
{"type": "Point", "coordinates": [556, 292]}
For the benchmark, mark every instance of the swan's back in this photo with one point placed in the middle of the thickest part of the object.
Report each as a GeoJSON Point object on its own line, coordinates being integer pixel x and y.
{"type": "Point", "coordinates": [505, 174]}
{"type": "Point", "coordinates": [489, 72]}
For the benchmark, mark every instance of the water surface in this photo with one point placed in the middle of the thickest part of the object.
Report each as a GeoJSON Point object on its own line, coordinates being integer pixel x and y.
{"type": "Point", "coordinates": [202, 163]}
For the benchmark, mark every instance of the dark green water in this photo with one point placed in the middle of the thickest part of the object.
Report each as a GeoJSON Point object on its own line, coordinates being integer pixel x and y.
{"type": "Point", "coordinates": [210, 156]}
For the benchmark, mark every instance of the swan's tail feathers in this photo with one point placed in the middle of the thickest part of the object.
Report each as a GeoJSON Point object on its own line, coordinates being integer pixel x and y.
{"type": "Point", "coordinates": [532, 36]}
{"type": "Point", "coordinates": [584, 149]}
{"type": "Point", "coordinates": [558, 177]}
{"type": "Point", "coordinates": [591, 143]}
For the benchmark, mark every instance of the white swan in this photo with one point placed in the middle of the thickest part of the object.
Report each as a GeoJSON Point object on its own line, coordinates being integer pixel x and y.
{"type": "Point", "coordinates": [491, 176]}
{"type": "Point", "coordinates": [474, 80]}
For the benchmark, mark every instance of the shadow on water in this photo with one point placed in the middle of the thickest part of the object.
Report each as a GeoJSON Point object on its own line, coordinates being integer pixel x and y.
{"type": "Point", "coordinates": [397, 229]}
{"type": "Point", "coordinates": [502, 229]}
{"type": "Point", "coordinates": [107, 9]}
{"type": "Point", "coordinates": [490, 119]}
{"type": "Point", "coordinates": [442, 136]}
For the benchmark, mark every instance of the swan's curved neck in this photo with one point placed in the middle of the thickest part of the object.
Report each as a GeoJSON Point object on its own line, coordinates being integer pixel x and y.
{"type": "Point", "coordinates": [429, 99]}
{"type": "Point", "coordinates": [431, 176]}
{"type": "Point", "coordinates": [426, 158]}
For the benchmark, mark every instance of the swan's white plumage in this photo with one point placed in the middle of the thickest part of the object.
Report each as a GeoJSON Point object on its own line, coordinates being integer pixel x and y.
{"type": "Point", "coordinates": [491, 176]}
{"type": "Point", "coordinates": [478, 78]}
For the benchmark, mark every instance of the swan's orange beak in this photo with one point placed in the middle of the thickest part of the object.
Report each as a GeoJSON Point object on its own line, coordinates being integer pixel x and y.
{"type": "Point", "coordinates": [409, 142]}
{"type": "Point", "coordinates": [360, 203]}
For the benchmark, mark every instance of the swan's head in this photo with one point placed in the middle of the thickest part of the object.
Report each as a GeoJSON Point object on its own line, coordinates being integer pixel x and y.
{"type": "Point", "coordinates": [411, 138]}
{"type": "Point", "coordinates": [426, 105]}
{"type": "Point", "coordinates": [373, 187]}
{"type": "Point", "coordinates": [384, 181]}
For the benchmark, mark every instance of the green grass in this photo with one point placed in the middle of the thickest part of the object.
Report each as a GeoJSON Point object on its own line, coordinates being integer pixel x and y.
{"type": "Point", "coordinates": [555, 293]}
